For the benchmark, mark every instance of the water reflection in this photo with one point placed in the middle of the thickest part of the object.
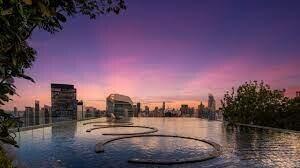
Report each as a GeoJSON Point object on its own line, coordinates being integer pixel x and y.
{"type": "Point", "coordinates": [69, 145]}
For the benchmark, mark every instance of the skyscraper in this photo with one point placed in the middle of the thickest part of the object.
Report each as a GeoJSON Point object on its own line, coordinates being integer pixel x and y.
{"type": "Point", "coordinates": [47, 114]}
{"type": "Point", "coordinates": [80, 110]}
{"type": "Point", "coordinates": [298, 94]}
{"type": "Point", "coordinates": [201, 110]}
{"type": "Point", "coordinates": [211, 103]}
{"type": "Point", "coordinates": [63, 102]}
{"type": "Point", "coordinates": [211, 107]}
{"type": "Point", "coordinates": [147, 110]}
{"type": "Point", "coordinates": [37, 112]}
{"type": "Point", "coordinates": [28, 116]}
{"type": "Point", "coordinates": [164, 106]}
{"type": "Point", "coordinates": [138, 106]}
{"type": "Point", "coordinates": [16, 112]}
{"type": "Point", "coordinates": [184, 109]}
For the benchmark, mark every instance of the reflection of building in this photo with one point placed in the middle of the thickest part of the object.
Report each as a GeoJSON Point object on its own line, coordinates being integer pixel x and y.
{"type": "Point", "coordinates": [119, 105]}
{"type": "Point", "coordinates": [28, 116]}
{"type": "Point", "coordinates": [61, 132]}
{"type": "Point", "coordinates": [63, 102]}
{"type": "Point", "coordinates": [37, 112]}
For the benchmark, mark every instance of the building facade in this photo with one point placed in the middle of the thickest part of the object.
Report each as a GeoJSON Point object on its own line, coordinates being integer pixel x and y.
{"type": "Point", "coordinates": [28, 116]}
{"type": "Point", "coordinates": [80, 111]}
{"type": "Point", "coordinates": [119, 105]}
{"type": "Point", "coordinates": [211, 103]}
{"type": "Point", "coordinates": [211, 107]}
{"type": "Point", "coordinates": [37, 112]}
{"type": "Point", "coordinates": [138, 108]}
{"type": "Point", "coordinates": [63, 102]}
{"type": "Point", "coordinates": [184, 109]}
{"type": "Point", "coordinates": [164, 106]}
{"type": "Point", "coordinates": [45, 115]}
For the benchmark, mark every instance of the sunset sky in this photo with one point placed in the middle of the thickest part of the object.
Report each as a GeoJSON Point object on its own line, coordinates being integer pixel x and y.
{"type": "Point", "coordinates": [176, 51]}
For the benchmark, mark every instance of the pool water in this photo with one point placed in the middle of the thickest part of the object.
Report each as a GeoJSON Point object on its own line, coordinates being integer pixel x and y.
{"type": "Point", "coordinates": [69, 145]}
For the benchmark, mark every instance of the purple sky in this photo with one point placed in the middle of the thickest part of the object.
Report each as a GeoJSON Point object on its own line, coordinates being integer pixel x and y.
{"type": "Point", "coordinates": [176, 51]}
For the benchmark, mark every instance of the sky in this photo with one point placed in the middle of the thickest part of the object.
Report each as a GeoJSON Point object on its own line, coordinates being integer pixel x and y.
{"type": "Point", "coordinates": [177, 51]}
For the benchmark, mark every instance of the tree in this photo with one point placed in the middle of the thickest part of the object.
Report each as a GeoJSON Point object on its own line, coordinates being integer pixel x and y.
{"type": "Point", "coordinates": [19, 18]}
{"type": "Point", "coordinates": [256, 103]}
{"type": "Point", "coordinates": [291, 118]}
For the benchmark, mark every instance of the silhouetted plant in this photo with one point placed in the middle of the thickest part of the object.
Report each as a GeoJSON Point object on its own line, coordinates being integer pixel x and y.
{"type": "Point", "coordinates": [7, 121]}
{"type": "Point", "coordinates": [256, 103]}
{"type": "Point", "coordinates": [19, 18]}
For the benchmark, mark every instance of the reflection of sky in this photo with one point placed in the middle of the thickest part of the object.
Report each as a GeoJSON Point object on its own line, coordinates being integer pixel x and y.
{"type": "Point", "coordinates": [74, 147]}
{"type": "Point", "coordinates": [175, 51]}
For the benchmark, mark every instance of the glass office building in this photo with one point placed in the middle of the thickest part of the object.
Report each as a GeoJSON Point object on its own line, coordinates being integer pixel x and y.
{"type": "Point", "coordinates": [119, 105]}
{"type": "Point", "coordinates": [63, 102]}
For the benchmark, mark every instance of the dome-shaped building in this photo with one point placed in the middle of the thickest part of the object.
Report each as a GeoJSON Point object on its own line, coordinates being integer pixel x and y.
{"type": "Point", "coordinates": [119, 105]}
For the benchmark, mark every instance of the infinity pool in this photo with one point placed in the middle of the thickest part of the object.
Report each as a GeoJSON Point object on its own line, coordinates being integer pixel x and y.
{"type": "Point", "coordinates": [69, 145]}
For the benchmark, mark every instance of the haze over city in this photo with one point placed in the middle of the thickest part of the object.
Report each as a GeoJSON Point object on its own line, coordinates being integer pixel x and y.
{"type": "Point", "coordinates": [177, 52]}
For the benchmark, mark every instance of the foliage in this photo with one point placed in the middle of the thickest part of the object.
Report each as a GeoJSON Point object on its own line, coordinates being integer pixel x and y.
{"type": "Point", "coordinates": [8, 121]}
{"type": "Point", "coordinates": [256, 103]}
{"type": "Point", "coordinates": [5, 162]}
{"type": "Point", "coordinates": [19, 18]}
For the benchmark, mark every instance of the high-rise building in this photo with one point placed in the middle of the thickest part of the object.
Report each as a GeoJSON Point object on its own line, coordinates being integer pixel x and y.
{"type": "Point", "coordinates": [164, 106]}
{"type": "Point", "coordinates": [201, 110]}
{"type": "Point", "coordinates": [63, 102]}
{"type": "Point", "coordinates": [211, 107]}
{"type": "Point", "coordinates": [211, 103]}
{"type": "Point", "coordinates": [37, 112]}
{"type": "Point", "coordinates": [90, 112]}
{"type": "Point", "coordinates": [298, 94]}
{"type": "Point", "coordinates": [155, 112]}
{"type": "Point", "coordinates": [16, 112]}
{"type": "Point", "coordinates": [80, 110]}
{"type": "Point", "coordinates": [138, 108]}
{"type": "Point", "coordinates": [28, 116]}
{"type": "Point", "coordinates": [134, 108]}
{"type": "Point", "coordinates": [119, 105]}
{"type": "Point", "coordinates": [47, 114]}
{"type": "Point", "coordinates": [184, 109]}
{"type": "Point", "coordinates": [147, 110]}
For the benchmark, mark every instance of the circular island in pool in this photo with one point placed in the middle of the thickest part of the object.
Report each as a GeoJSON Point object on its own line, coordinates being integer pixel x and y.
{"type": "Point", "coordinates": [151, 129]}
{"type": "Point", "coordinates": [217, 150]}
{"type": "Point", "coordinates": [109, 123]}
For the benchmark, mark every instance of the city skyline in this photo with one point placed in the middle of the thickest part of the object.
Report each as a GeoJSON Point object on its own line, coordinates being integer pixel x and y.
{"type": "Point", "coordinates": [158, 56]}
